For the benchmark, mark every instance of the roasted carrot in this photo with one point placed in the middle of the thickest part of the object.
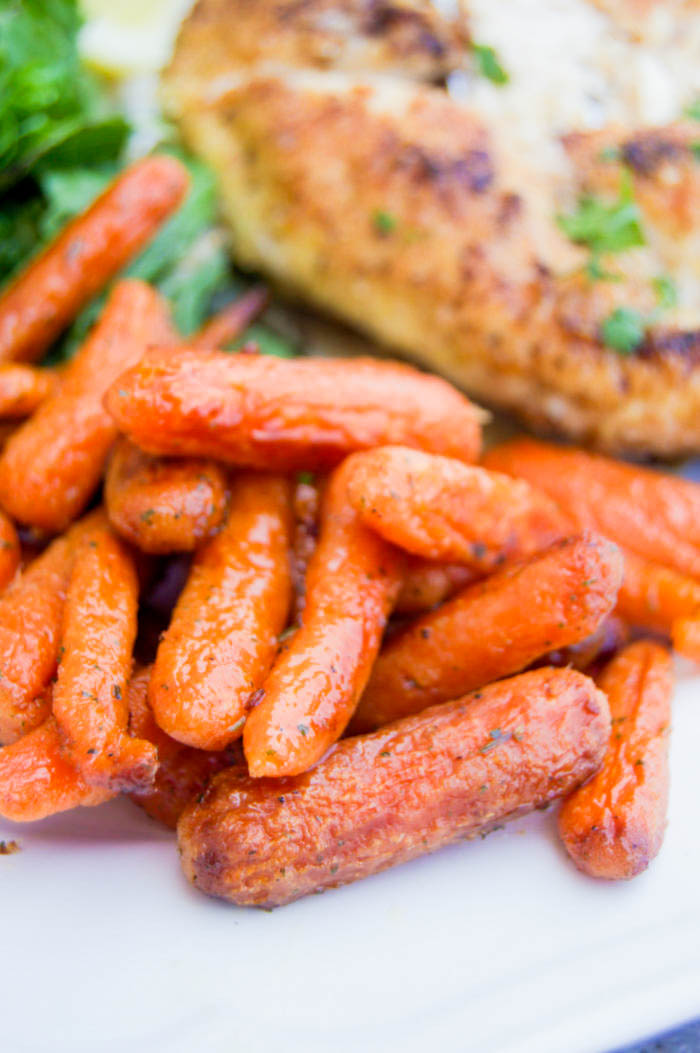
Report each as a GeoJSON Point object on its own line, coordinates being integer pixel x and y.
{"type": "Point", "coordinates": [223, 635]}
{"type": "Point", "coordinates": [183, 772]}
{"type": "Point", "coordinates": [439, 508]}
{"type": "Point", "coordinates": [10, 552]}
{"type": "Point", "coordinates": [23, 388]}
{"type": "Point", "coordinates": [425, 584]}
{"type": "Point", "coordinates": [590, 653]}
{"type": "Point", "coordinates": [31, 612]}
{"type": "Point", "coordinates": [263, 412]}
{"type": "Point", "coordinates": [378, 800]}
{"type": "Point", "coordinates": [163, 505]}
{"type": "Point", "coordinates": [655, 515]}
{"type": "Point", "coordinates": [493, 629]}
{"type": "Point", "coordinates": [60, 452]}
{"type": "Point", "coordinates": [89, 699]}
{"type": "Point", "coordinates": [233, 320]}
{"type": "Point", "coordinates": [89, 251]}
{"type": "Point", "coordinates": [614, 825]}
{"type": "Point", "coordinates": [653, 597]}
{"type": "Point", "coordinates": [351, 585]}
{"type": "Point", "coordinates": [37, 780]}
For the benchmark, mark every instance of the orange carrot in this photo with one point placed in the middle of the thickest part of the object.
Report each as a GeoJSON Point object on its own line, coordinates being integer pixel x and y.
{"type": "Point", "coordinates": [60, 452]}
{"type": "Point", "coordinates": [23, 388]}
{"type": "Point", "coordinates": [439, 508]}
{"type": "Point", "coordinates": [653, 597]}
{"type": "Point", "coordinates": [223, 635]}
{"type": "Point", "coordinates": [89, 251]}
{"type": "Point", "coordinates": [37, 780]}
{"type": "Point", "coordinates": [163, 505]}
{"type": "Point", "coordinates": [655, 515]}
{"type": "Point", "coordinates": [493, 629]}
{"type": "Point", "coordinates": [233, 320]}
{"type": "Point", "coordinates": [352, 583]}
{"type": "Point", "coordinates": [265, 412]}
{"type": "Point", "coordinates": [614, 825]}
{"type": "Point", "coordinates": [426, 584]}
{"type": "Point", "coordinates": [10, 552]}
{"type": "Point", "coordinates": [89, 702]}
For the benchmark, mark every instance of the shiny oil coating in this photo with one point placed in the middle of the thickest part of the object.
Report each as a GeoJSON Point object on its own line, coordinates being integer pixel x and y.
{"type": "Point", "coordinates": [22, 388]}
{"type": "Point", "coordinates": [60, 452]}
{"type": "Point", "coordinates": [351, 585]}
{"type": "Point", "coordinates": [223, 635]}
{"type": "Point", "coordinates": [655, 515]}
{"type": "Point", "coordinates": [493, 629]}
{"type": "Point", "coordinates": [439, 508]}
{"type": "Point", "coordinates": [89, 699]}
{"type": "Point", "coordinates": [382, 799]}
{"type": "Point", "coordinates": [163, 505]}
{"type": "Point", "coordinates": [9, 550]}
{"type": "Point", "coordinates": [654, 597]}
{"type": "Point", "coordinates": [257, 411]}
{"type": "Point", "coordinates": [425, 584]}
{"type": "Point", "coordinates": [87, 253]}
{"type": "Point", "coordinates": [614, 825]}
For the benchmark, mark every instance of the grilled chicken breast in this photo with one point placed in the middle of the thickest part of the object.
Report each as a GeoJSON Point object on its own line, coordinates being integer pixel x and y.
{"type": "Point", "coordinates": [364, 189]}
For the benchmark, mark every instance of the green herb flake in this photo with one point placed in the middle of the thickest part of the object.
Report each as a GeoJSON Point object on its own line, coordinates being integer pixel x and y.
{"type": "Point", "coordinates": [384, 222]}
{"type": "Point", "coordinates": [666, 291]}
{"type": "Point", "coordinates": [147, 516]}
{"type": "Point", "coordinates": [606, 227]}
{"type": "Point", "coordinates": [692, 110]}
{"type": "Point", "coordinates": [488, 64]}
{"type": "Point", "coordinates": [303, 729]}
{"type": "Point", "coordinates": [623, 330]}
{"type": "Point", "coordinates": [695, 149]}
{"type": "Point", "coordinates": [496, 738]}
{"type": "Point", "coordinates": [609, 154]}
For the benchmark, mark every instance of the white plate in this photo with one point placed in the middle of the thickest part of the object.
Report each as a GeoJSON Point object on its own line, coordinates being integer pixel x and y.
{"type": "Point", "coordinates": [495, 945]}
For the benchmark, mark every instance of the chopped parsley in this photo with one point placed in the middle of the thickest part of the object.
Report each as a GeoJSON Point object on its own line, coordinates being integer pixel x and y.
{"type": "Point", "coordinates": [383, 222]}
{"type": "Point", "coordinates": [496, 738]}
{"type": "Point", "coordinates": [666, 291]}
{"type": "Point", "coordinates": [606, 227]}
{"type": "Point", "coordinates": [623, 330]}
{"type": "Point", "coordinates": [695, 149]}
{"type": "Point", "coordinates": [692, 110]}
{"type": "Point", "coordinates": [488, 64]}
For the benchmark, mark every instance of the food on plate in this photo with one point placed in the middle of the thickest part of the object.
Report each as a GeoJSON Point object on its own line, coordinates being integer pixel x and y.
{"type": "Point", "coordinates": [483, 230]}
{"type": "Point", "coordinates": [59, 453]}
{"type": "Point", "coordinates": [655, 597]}
{"type": "Point", "coordinates": [493, 629]}
{"type": "Point", "coordinates": [352, 582]}
{"type": "Point", "coordinates": [427, 583]}
{"type": "Point", "coordinates": [47, 295]}
{"type": "Point", "coordinates": [252, 411]}
{"type": "Point", "coordinates": [9, 550]}
{"type": "Point", "coordinates": [614, 825]}
{"type": "Point", "coordinates": [378, 800]}
{"type": "Point", "coordinates": [587, 655]}
{"type": "Point", "coordinates": [222, 638]}
{"type": "Point", "coordinates": [23, 388]}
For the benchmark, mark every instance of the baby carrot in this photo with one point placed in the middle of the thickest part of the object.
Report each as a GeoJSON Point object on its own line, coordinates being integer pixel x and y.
{"type": "Point", "coordinates": [614, 825]}
{"type": "Point", "coordinates": [426, 583]}
{"type": "Point", "coordinates": [89, 700]}
{"type": "Point", "coordinates": [60, 452]}
{"type": "Point", "coordinates": [163, 505]}
{"type": "Point", "coordinates": [233, 320]}
{"type": "Point", "coordinates": [89, 251]}
{"type": "Point", "coordinates": [223, 634]}
{"type": "Point", "coordinates": [300, 413]}
{"type": "Point", "coordinates": [439, 508]}
{"type": "Point", "coordinates": [654, 597]}
{"type": "Point", "coordinates": [37, 779]}
{"type": "Point", "coordinates": [9, 550]}
{"type": "Point", "coordinates": [493, 629]}
{"type": "Point", "coordinates": [308, 698]}
{"type": "Point", "coordinates": [23, 388]}
{"type": "Point", "coordinates": [655, 515]}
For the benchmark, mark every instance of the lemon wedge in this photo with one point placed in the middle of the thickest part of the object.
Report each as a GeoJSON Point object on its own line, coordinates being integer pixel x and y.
{"type": "Point", "coordinates": [131, 37]}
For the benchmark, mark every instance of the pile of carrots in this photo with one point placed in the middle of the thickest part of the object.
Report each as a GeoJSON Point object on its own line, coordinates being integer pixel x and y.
{"type": "Point", "coordinates": [359, 665]}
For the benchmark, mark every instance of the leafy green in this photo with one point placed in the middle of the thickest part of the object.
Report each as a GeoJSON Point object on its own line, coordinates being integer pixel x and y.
{"type": "Point", "coordinates": [383, 222]}
{"type": "Point", "coordinates": [269, 342]}
{"type": "Point", "coordinates": [623, 330]}
{"type": "Point", "coordinates": [606, 227]}
{"type": "Point", "coordinates": [488, 64]}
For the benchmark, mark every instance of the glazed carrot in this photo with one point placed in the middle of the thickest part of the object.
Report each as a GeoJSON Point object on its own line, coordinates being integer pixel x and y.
{"type": "Point", "coordinates": [611, 636]}
{"type": "Point", "coordinates": [233, 320]}
{"type": "Point", "coordinates": [89, 699]}
{"type": "Point", "coordinates": [23, 388]}
{"type": "Point", "coordinates": [60, 452]}
{"type": "Point", "coordinates": [10, 551]}
{"type": "Point", "coordinates": [183, 773]}
{"type": "Point", "coordinates": [379, 800]}
{"type": "Point", "coordinates": [493, 629]}
{"type": "Point", "coordinates": [31, 612]}
{"type": "Point", "coordinates": [89, 251]}
{"type": "Point", "coordinates": [351, 585]}
{"type": "Point", "coordinates": [685, 635]}
{"type": "Point", "coordinates": [223, 634]}
{"type": "Point", "coordinates": [426, 584]}
{"type": "Point", "coordinates": [163, 505]}
{"type": "Point", "coordinates": [653, 597]}
{"type": "Point", "coordinates": [655, 515]}
{"type": "Point", "coordinates": [614, 825]}
{"type": "Point", "coordinates": [37, 780]}
{"type": "Point", "coordinates": [439, 508]}
{"type": "Point", "coordinates": [263, 412]}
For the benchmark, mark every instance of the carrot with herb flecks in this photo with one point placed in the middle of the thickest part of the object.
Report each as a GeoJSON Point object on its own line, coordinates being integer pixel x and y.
{"type": "Point", "coordinates": [653, 514]}
{"type": "Point", "coordinates": [223, 634]}
{"type": "Point", "coordinates": [183, 772]}
{"type": "Point", "coordinates": [88, 252]}
{"type": "Point", "coordinates": [23, 388]}
{"type": "Point", "coordinates": [163, 505]}
{"type": "Point", "coordinates": [60, 452]}
{"type": "Point", "coordinates": [89, 699]}
{"type": "Point", "coordinates": [9, 550]}
{"type": "Point", "coordinates": [493, 629]}
{"type": "Point", "coordinates": [439, 508]}
{"type": "Point", "coordinates": [37, 780]}
{"type": "Point", "coordinates": [232, 320]}
{"type": "Point", "coordinates": [301, 413]}
{"type": "Point", "coordinates": [614, 825]}
{"type": "Point", "coordinates": [653, 597]}
{"type": "Point", "coordinates": [351, 585]}
{"type": "Point", "coordinates": [426, 583]}
{"type": "Point", "coordinates": [378, 800]}
{"type": "Point", "coordinates": [588, 654]}
{"type": "Point", "coordinates": [31, 613]}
